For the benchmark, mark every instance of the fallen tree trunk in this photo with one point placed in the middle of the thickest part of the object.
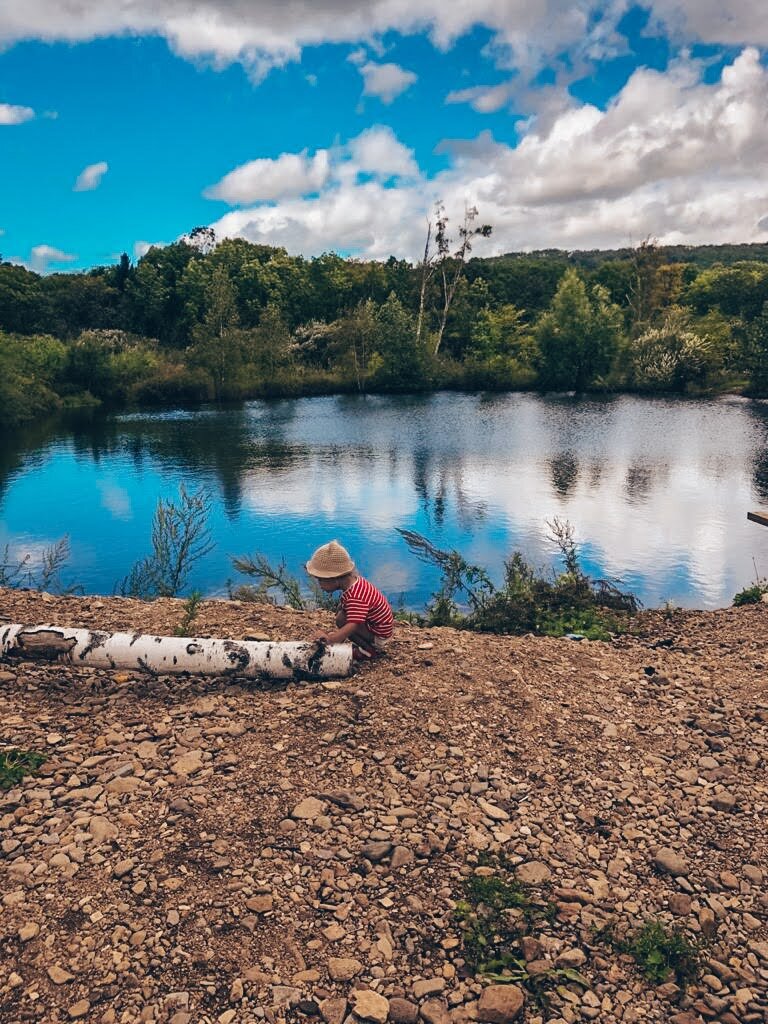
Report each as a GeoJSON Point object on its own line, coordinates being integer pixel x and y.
{"type": "Point", "coordinates": [161, 655]}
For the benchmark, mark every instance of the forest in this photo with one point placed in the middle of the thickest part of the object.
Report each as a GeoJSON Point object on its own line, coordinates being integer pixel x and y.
{"type": "Point", "coordinates": [207, 320]}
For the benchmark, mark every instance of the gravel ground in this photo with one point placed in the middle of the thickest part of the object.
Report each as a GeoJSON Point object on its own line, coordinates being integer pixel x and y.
{"type": "Point", "coordinates": [209, 850]}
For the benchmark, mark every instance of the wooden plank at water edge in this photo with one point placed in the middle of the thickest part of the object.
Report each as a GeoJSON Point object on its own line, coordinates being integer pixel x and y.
{"type": "Point", "coordinates": [758, 517]}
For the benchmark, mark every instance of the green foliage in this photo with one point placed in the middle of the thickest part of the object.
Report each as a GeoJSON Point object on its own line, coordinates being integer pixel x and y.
{"type": "Point", "coordinates": [180, 538]}
{"type": "Point", "coordinates": [191, 609]}
{"type": "Point", "coordinates": [202, 319]}
{"type": "Point", "coordinates": [739, 290]}
{"type": "Point", "coordinates": [578, 336]}
{"type": "Point", "coordinates": [528, 600]}
{"type": "Point", "coordinates": [16, 763]}
{"type": "Point", "coordinates": [662, 952]}
{"type": "Point", "coordinates": [755, 348]}
{"type": "Point", "coordinates": [751, 595]}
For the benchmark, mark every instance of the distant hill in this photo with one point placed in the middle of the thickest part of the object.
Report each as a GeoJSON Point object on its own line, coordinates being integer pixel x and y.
{"type": "Point", "coordinates": [699, 255]}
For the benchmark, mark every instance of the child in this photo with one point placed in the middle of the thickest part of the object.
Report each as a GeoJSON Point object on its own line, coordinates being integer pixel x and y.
{"type": "Point", "coordinates": [364, 615]}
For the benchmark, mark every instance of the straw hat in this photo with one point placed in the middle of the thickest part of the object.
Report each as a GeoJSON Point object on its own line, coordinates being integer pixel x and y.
{"type": "Point", "coordinates": [329, 561]}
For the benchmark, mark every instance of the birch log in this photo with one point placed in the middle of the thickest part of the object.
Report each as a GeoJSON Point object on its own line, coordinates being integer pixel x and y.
{"type": "Point", "coordinates": [162, 655]}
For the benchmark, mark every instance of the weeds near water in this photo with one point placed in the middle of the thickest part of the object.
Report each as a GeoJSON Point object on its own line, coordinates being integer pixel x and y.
{"type": "Point", "coordinates": [180, 538]}
{"type": "Point", "coordinates": [43, 573]}
{"type": "Point", "coordinates": [15, 764]}
{"type": "Point", "coordinates": [275, 585]}
{"type": "Point", "coordinates": [751, 595]}
{"type": "Point", "coordinates": [660, 951]}
{"type": "Point", "coordinates": [528, 601]}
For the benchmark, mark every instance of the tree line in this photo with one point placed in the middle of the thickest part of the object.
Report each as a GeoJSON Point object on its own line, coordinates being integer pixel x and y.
{"type": "Point", "coordinates": [203, 320]}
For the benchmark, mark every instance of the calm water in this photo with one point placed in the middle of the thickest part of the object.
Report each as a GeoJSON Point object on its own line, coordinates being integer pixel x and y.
{"type": "Point", "coordinates": [657, 490]}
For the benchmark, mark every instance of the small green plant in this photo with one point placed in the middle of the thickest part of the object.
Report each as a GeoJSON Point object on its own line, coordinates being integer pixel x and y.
{"type": "Point", "coordinates": [191, 609]}
{"type": "Point", "coordinates": [751, 595]}
{"type": "Point", "coordinates": [16, 763]}
{"type": "Point", "coordinates": [494, 913]}
{"type": "Point", "coordinates": [661, 951]}
{"type": "Point", "coordinates": [276, 585]}
{"type": "Point", "coordinates": [180, 538]}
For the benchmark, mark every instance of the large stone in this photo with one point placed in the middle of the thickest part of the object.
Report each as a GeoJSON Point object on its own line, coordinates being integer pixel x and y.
{"type": "Point", "coordinates": [573, 957]}
{"type": "Point", "coordinates": [369, 1005]}
{"type": "Point", "coordinates": [377, 851]}
{"type": "Point", "coordinates": [188, 763]}
{"type": "Point", "coordinates": [334, 1010]}
{"type": "Point", "coordinates": [29, 931]}
{"type": "Point", "coordinates": [79, 1009]}
{"type": "Point", "coordinates": [500, 1004]}
{"type": "Point", "coordinates": [724, 801]}
{"type": "Point", "coordinates": [124, 785]}
{"type": "Point", "coordinates": [533, 873]}
{"type": "Point", "coordinates": [343, 968]}
{"type": "Point", "coordinates": [59, 976]}
{"type": "Point", "coordinates": [434, 1011]}
{"type": "Point", "coordinates": [124, 867]}
{"type": "Point", "coordinates": [308, 808]}
{"type": "Point", "coordinates": [428, 987]}
{"type": "Point", "coordinates": [403, 1011]}
{"type": "Point", "coordinates": [669, 862]}
{"type": "Point", "coordinates": [102, 829]}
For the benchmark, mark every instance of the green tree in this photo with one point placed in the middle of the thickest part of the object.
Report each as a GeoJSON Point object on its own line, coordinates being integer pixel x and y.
{"type": "Point", "coordinates": [756, 352]}
{"type": "Point", "coordinates": [218, 345]}
{"type": "Point", "coordinates": [400, 361]}
{"type": "Point", "coordinates": [578, 336]}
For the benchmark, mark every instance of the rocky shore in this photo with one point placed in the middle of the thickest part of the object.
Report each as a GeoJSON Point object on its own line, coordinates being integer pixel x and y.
{"type": "Point", "coordinates": [207, 850]}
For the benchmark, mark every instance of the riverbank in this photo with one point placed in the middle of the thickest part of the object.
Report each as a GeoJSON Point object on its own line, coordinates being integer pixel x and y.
{"type": "Point", "coordinates": [202, 850]}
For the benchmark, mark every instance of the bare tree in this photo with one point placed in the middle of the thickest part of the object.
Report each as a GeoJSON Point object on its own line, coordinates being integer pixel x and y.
{"type": "Point", "coordinates": [438, 257]}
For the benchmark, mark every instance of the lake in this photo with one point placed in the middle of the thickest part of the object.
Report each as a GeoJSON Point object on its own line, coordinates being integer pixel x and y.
{"type": "Point", "coordinates": [656, 489]}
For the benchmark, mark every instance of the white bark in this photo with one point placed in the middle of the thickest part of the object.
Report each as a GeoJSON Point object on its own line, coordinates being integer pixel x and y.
{"type": "Point", "coordinates": [162, 655]}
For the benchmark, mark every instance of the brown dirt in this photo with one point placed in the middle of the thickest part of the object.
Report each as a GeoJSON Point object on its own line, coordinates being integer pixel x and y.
{"type": "Point", "coordinates": [594, 755]}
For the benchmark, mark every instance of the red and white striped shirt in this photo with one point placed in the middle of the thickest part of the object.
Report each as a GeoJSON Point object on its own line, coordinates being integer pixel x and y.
{"type": "Point", "coordinates": [362, 602]}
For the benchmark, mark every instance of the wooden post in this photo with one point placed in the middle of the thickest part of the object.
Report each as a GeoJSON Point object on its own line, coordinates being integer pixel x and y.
{"type": "Point", "coordinates": [163, 655]}
{"type": "Point", "coordinates": [758, 517]}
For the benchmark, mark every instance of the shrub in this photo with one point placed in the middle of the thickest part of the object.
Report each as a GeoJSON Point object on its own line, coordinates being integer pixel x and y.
{"type": "Point", "coordinates": [751, 595]}
{"type": "Point", "coordinates": [662, 952]}
{"type": "Point", "coordinates": [528, 600]}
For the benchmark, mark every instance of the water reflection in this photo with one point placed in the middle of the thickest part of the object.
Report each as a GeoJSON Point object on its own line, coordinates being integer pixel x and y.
{"type": "Point", "coordinates": [658, 490]}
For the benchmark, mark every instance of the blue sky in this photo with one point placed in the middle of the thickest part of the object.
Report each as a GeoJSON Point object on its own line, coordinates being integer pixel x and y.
{"type": "Point", "coordinates": [333, 125]}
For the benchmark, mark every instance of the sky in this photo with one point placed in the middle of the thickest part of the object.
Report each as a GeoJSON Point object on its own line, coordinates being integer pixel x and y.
{"type": "Point", "coordinates": [332, 125]}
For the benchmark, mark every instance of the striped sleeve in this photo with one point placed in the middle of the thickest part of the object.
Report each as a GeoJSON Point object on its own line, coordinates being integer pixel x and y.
{"type": "Point", "coordinates": [366, 604]}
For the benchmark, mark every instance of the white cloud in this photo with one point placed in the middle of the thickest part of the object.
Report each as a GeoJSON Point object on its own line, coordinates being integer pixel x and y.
{"type": "Point", "coordinates": [90, 177]}
{"type": "Point", "coordinates": [386, 81]}
{"type": "Point", "coordinates": [10, 114]}
{"type": "Point", "coordinates": [290, 174]}
{"type": "Point", "coordinates": [485, 99]}
{"type": "Point", "coordinates": [141, 248]}
{"type": "Point", "coordinates": [42, 256]}
{"type": "Point", "coordinates": [672, 157]}
{"type": "Point", "coordinates": [378, 151]}
{"type": "Point", "coordinates": [525, 35]}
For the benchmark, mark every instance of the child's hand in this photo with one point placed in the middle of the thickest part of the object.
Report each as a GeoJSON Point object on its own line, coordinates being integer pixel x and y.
{"type": "Point", "coordinates": [320, 638]}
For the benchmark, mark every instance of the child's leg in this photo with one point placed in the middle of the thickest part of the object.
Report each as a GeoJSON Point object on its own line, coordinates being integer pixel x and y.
{"type": "Point", "coordinates": [341, 618]}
